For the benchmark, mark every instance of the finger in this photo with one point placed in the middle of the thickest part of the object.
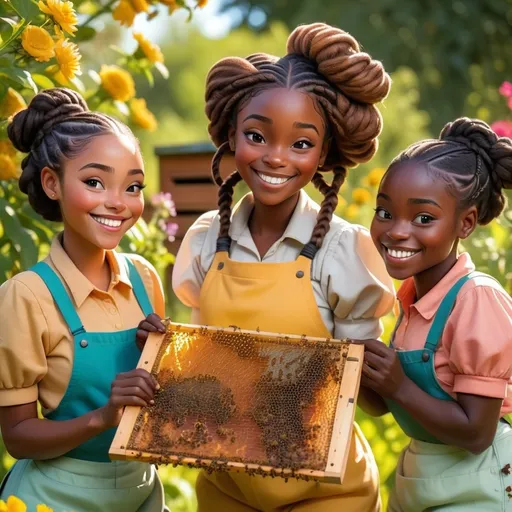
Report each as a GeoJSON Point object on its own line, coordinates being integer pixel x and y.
{"type": "Point", "coordinates": [147, 326]}
{"type": "Point", "coordinates": [122, 401]}
{"type": "Point", "coordinates": [370, 373]}
{"type": "Point", "coordinates": [141, 336]}
{"type": "Point", "coordinates": [376, 347]}
{"type": "Point", "coordinates": [375, 361]}
{"type": "Point", "coordinates": [156, 321]}
{"type": "Point", "coordinates": [134, 391]}
{"type": "Point", "coordinates": [137, 373]}
{"type": "Point", "coordinates": [146, 384]}
{"type": "Point", "coordinates": [368, 383]}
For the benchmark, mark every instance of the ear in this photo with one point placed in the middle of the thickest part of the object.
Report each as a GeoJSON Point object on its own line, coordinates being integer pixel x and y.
{"type": "Point", "coordinates": [232, 137]}
{"type": "Point", "coordinates": [325, 149]}
{"type": "Point", "coordinates": [468, 221]}
{"type": "Point", "coordinates": [51, 183]}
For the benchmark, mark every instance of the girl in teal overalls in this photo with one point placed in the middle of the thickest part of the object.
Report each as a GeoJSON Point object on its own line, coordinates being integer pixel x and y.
{"type": "Point", "coordinates": [67, 326]}
{"type": "Point", "coordinates": [447, 376]}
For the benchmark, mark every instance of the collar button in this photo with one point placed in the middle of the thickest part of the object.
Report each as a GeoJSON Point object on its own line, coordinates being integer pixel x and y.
{"type": "Point", "coordinates": [425, 357]}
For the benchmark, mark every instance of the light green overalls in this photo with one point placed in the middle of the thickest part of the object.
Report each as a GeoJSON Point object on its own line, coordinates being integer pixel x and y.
{"type": "Point", "coordinates": [85, 480]}
{"type": "Point", "coordinates": [434, 476]}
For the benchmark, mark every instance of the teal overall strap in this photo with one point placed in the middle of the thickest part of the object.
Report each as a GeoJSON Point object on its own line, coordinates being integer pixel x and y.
{"type": "Point", "coordinates": [445, 309]}
{"type": "Point", "coordinates": [138, 287]}
{"type": "Point", "coordinates": [60, 296]}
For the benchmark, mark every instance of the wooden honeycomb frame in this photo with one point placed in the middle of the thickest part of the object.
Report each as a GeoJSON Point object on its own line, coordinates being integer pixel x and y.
{"type": "Point", "coordinates": [342, 423]}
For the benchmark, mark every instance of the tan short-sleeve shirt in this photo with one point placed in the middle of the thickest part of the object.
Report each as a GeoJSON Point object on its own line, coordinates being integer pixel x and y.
{"type": "Point", "coordinates": [36, 347]}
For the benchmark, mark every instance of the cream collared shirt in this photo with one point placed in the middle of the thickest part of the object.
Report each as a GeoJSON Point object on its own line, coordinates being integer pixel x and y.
{"type": "Point", "coordinates": [36, 347]}
{"type": "Point", "coordinates": [350, 283]}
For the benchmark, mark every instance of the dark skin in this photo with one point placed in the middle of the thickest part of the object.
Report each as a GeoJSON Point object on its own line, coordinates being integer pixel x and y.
{"type": "Point", "coordinates": [108, 186]}
{"type": "Point", "coordinates": [416, 228]}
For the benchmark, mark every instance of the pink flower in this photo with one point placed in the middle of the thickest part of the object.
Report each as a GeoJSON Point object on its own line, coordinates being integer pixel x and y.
{"type": "Point", "coordinates": [506, 89]}
{"type": "Point", "coordinates": [164, 199]}
{"type": "Point", "coordinates": [502, 128]}
{"type": "Point", "coordinates": [171, 230]}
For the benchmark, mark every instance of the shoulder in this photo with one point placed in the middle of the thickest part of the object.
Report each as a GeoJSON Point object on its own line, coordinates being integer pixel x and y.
{"type": "Point", "coordinates": [28, 285]}
{"type": "Point", "coordinates": [143, 266]}
{"type": "Point", "coordinates": [344, 236]}
{"type": "Point", "coordinates": [484, 288]}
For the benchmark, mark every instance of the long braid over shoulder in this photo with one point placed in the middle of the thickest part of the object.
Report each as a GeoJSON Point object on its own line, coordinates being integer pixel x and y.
{"type": "Point", "coordinates": [326, 63]}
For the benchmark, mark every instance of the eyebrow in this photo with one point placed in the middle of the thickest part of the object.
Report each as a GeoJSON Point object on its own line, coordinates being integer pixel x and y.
{"type": "Point", "coordinates": [419, 200]}
{"type": "Point", "coordinates": [107, 168]}
{"type": "Point", "coordinates": [381, 195]}
{"type": "Point", "coordinates": [263, 119]}
{"type": "Point", "coordinates": [310, 126]}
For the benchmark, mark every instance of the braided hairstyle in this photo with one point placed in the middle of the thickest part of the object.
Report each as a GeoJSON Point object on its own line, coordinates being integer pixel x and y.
{"type": "Point", "coordinates": [345, 83]}
{"type": "Point", "coordinates": [57, 124]}
{"type": "Point", "coordinates": [475, 162]}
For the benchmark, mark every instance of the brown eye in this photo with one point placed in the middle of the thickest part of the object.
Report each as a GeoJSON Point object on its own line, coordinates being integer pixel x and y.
{"type": "Point", "coordinates": [423, 219]}
{"type": "Point", "coordinates": [93, 183]}
{"type": "Point", "coordinates": [255, 137]}
{"type": "Point", "coordinates": [382, 214]}
{"type": "Point", "coordinates": [303, 144]}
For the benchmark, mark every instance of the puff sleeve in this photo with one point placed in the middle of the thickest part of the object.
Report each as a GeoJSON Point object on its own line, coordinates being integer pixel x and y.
{"type": "Point", "coordinates": [24, 341]}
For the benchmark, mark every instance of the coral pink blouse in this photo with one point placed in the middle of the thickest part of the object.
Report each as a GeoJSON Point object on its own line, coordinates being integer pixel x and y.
{"type": "Point", "coordinates": [475, 353]}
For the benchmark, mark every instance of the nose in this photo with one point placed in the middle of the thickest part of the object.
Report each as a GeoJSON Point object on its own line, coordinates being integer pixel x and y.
{"type": "Point", "coordinates": [399, 230]}
{"type": "Point", "coordinates": [275, 157]}
{"type": "Point", "coordinates": [115, 202]}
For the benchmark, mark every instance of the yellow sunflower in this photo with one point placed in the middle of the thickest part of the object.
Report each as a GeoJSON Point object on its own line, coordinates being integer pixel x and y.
{"type": "Point", "coordinates": [352, 211]}
{"type": "Point", "coordinates": [172, 4]}
{"type": "Point", "coordinates": [43, 508]}
{"type": "Point", "coordinates": [38, 43]}
{"type": "Point", "coordinates": [12, 103]}
{"type": "Point", "coordinates": [62, 12]}
{"type": "Point", "coordinates": [140, 5]}
{"type": "Point", "coordinates": [201, 3]}
{"type": "Point", "coordinates": [141, 116]}
{"type": "Point", "coordinates": [361, 196]}
{"type": "Point", "coordinates": [124, 13]}
{"type": "Point", "coordinates": [8, 170]}
{"type": "Point", "coordinates": [6, 148]}
{"type": "Point", "coordinates": [117, 82]}
{"type": "Point", "coordinates": [150, 50]}
{"type": "Point", "coordinates": [375, 176]}
{"type": "Point", "coordinates": [68, 58]}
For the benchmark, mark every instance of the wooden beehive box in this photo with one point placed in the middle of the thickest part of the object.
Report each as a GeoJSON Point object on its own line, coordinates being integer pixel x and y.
{"type": "Point", "coordinates": [236, 400]}
{"type": "Point", "coordinates": [185, 172]}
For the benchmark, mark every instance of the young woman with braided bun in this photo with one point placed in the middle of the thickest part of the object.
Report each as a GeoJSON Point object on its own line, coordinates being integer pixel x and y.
{"type": "Point", "coordinates": [447, 377]}
{"type": "Point", "coordinates": [67, 325]}
{"type": "Point", "coordinates": [279, 262]}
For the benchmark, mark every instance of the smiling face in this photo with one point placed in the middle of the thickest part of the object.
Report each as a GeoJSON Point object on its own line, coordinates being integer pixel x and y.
{"type": "Point", "coordinates": [279, 144]}
{"type": "Point", "coordinates": [417, 222]}
{"type": "Point", "coordinates": [100, 193]}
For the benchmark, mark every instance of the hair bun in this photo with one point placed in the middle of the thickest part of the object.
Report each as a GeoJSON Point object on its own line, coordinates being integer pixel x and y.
{"type": "Point", "coordinates": [479, 137]}
{"type": "Point", "coordinates": [46, 109]}
{"type": "Point", "coordinates": [339, 58]}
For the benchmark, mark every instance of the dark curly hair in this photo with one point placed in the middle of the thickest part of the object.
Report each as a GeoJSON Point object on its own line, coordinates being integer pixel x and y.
{"type": "Point", "coordinates": [324, 62]}
{"type": "Point", "coordinates": [56, 124]}
{"type": "Point", "coordinates": [473, 160]}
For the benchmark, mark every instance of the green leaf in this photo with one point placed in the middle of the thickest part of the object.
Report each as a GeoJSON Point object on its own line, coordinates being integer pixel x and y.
{"type": "Point", "coordinates": [20, 237]}
{"type": "Point", "coordinates": [9, 21]}
{"type": "Point", "coordinates": [19, 76]}
{"type": "Point", "coordinates": [15, 34]}
{"type": "Point", "coordinates": [27, 9]}
{"type": "Point", "coordinates": [149, 76]}
{"type": "Point", "coordinates": [5, 267]}
{"type": "Point", "coordinates": [84, 34]}
{"type": "Point", "coordinates": [42, 81]}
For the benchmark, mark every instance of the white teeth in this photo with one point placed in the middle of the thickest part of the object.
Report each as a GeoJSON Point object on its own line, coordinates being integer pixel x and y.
{"type": "Point", "coordinates": [272, 179]}
{"type": "Point", "coordinates": [108, 222]}
{"type": "Point", "coordinates": [401, 254]}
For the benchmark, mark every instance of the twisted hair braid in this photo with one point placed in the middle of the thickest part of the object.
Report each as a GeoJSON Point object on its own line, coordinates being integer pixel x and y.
{"type": "Point", "coordinates": [57, 124]}
{"type": "Point", "coordinates": [326, 63]}
{"type": "Point", "coordinates": [475, 161]}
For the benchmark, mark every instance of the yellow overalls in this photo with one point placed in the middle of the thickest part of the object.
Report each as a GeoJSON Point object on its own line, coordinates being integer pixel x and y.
{"type": "Point", "coordinates": [277, 297]}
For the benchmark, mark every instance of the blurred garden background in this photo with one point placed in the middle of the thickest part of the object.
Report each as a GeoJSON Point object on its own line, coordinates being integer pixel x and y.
{"type": "Point", "coordinates": [145, 61]}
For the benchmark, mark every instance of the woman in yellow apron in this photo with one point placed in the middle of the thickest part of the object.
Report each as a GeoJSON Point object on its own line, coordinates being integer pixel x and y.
{"type": "Point", "coordinates": [447, 377]}
{"type": "Point", "coordinates": [67, 326]}
{"type": "Point", "coordinates": [280, 262]}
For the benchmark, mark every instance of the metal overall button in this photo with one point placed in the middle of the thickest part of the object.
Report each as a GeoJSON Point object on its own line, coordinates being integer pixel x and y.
{"type": "Point", "coordinates": [425, 356]}
{"type": "Point", "coordinates": [299, 274]}
{"type": "Point", "coordinates": [84, 343]}
{"type": "Point", "coordinates": [220, 266]}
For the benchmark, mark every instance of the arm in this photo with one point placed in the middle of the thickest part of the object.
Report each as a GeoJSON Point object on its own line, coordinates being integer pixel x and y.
{"type": "Point", "coordinates": [28, 437]}
{"type": "Point", "coordinates": [371, 402]}
{"type": "Point", "coordinates": [468, 423]}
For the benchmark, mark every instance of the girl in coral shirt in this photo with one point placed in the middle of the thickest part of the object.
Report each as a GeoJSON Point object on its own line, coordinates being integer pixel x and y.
{"type": "Point", "coordinates": [447, 376]}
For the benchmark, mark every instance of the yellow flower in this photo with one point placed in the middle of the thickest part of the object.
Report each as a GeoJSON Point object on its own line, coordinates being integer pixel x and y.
{"type": "Point", "coordinates": [43, 508]}
{"type": "Point", "coordinates": [352, 211]}
{"type": "Point", "coordinates": [13, 504]}
{"type": "Point", "coordinates": [361, 196]}
{"type": "Point", "coordinates": [38, 43]}
{"type": "Point", "coordinates": [141, 116]}
{"type": "Point", "coordinates": [117, 82]}
{"type": "Point", "coordinates": [172, 4]}
{"type": "Point", "coordinates": [62, 12]}
{"type": "Point", "coordinates": [6, 148]}
{"type": "Point", "coordinates": [201, 3]}
{"type": "Point", "coordinates": [140, 5]}
{"type": "Point", "coordinates": [375, 176]}
{"type": "Point", "coordinates": [124, 13]}
{"type": "Point", "coordinates": [8, 170]}
{"type": "Point", "coordinates": [12, 103]}
{"type": "Point", "coordinates": [151, 51]}
{"type": "Point", "coordinates": [68, 57]}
